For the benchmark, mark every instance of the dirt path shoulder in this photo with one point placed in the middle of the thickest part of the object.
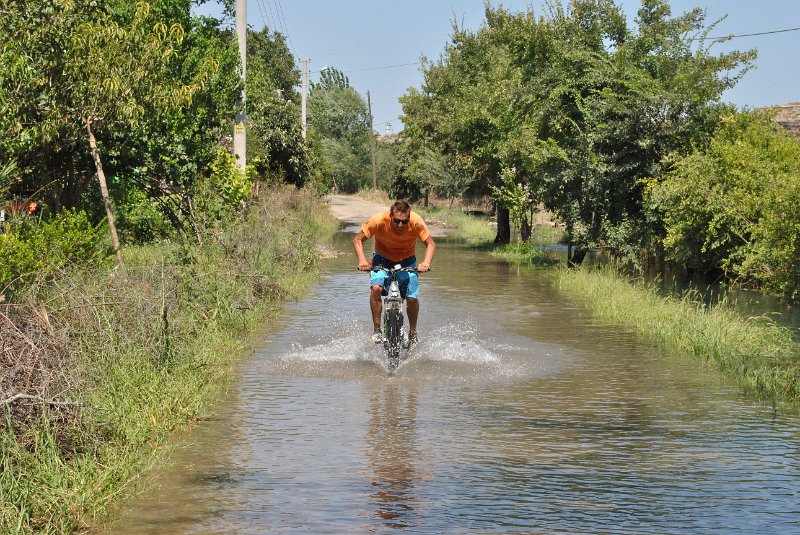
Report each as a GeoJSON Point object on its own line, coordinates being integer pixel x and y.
{"type": "Point", "coordinates": [354, 211]}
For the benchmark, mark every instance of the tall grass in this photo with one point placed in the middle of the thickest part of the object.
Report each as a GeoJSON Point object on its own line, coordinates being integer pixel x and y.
{"type": "Point", "coordinates": [152, 348]}
{"type": "Point", "coordinates": [473, 230]}
{"type": "Point", "coordinates": [523, 253]}
{"type": "Point", "coordinates": [757, 352]}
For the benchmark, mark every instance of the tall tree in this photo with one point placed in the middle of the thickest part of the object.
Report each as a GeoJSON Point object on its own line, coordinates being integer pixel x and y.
{"type": "Point", "coordinates": [619, 104]}
{"type": "Point", "coordinates": [95, 69]}
{"type": "Point", "coordinates": [470, 108]}
{"type": "Point", "coordinates": [339, 116]}
{"type": "Point", "coordinates": [276, 144]}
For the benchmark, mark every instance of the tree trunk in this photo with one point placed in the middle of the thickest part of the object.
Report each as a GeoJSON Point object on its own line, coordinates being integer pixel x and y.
{"type": "Point", "coordinates": [193, 221]}
{"type": "Point", "coordinates": [525, 229]}
{"type": "Point", "coordinates": [577, 255]}
{"type": "Point", "coordinates": [101, 178]}
{"type": "Point", "coordinates": [503, 226]}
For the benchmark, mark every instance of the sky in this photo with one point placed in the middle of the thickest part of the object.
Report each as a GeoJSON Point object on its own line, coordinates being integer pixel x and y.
{"type": "Point", "coordinates": [378, 43]}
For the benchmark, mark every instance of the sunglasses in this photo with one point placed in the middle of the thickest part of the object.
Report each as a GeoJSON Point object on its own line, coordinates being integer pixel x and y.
{"type": "Point", "coordinates": [398, 221]}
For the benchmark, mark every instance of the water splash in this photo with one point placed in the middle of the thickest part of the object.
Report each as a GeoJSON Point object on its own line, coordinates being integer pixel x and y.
{"type": "Point", "coordinates": [449, 351]}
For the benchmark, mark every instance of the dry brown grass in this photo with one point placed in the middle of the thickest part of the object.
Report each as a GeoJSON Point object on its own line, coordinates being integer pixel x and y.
{"type": "Point", "coordinates": [36, 373]}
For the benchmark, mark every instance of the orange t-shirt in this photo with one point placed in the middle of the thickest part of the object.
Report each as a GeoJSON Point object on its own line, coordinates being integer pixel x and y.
{"type": "Point", "coordinates": [388, 243]}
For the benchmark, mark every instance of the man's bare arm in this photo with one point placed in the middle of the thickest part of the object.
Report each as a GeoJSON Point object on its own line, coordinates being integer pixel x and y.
{"type": "Point", "coordinates": [358, 245]}
{"type": "Point", "coordinates": [430, 247]}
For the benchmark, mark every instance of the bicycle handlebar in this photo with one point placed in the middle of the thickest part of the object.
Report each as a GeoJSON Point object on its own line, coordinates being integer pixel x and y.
{"type": "Point", "coordinates": [393, 270]}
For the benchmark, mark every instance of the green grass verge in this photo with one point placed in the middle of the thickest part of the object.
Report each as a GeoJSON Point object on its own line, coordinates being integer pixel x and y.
{"type": "Point", "coordinates": [473, 230]}
{"type": "Point", "coordinates": [522, 253]}
{"type": "Point", "coordinates": [760, 354]}
{"type": "Point", "coordinates": [152, 347]}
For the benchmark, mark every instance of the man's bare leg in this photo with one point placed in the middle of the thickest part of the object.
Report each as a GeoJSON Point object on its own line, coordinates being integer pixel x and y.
{"type": "Point", "coordinates": [375, 305]}
{"type": "Point", "coordinates": [412, 306]}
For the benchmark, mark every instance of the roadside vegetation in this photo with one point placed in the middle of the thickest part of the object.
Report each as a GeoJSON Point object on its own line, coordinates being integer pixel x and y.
{"type": "Point", "coordinates": [112, 361]}
{"type": "Point", "coordinates": [136, 255]}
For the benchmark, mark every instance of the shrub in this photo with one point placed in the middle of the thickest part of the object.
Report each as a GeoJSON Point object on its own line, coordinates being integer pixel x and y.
{"type": "Point", "coordinates": [231, 184]}
{"type": "Point", "coordinates": [523, 253]}
{"type": "Point", "coordinates": [33, 248]}
{"type": "Point", "coordinates": [734, 207]}
{"type": "Point", "coordinates": [142, 219]}
{"type": "Point", "coordinates": [223, 192]}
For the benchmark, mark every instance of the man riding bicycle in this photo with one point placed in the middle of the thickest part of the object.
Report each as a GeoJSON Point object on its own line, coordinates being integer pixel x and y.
{"type": "Point", "coordinates": [396, 232]}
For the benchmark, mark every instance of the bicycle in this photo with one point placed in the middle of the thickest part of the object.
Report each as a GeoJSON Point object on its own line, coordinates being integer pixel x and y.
{"type": "Point", "coordinates": [393, 334]}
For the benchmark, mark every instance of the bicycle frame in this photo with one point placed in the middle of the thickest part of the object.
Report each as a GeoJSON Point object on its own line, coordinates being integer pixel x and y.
{"type": "Point", "coordinates": [393, 334]}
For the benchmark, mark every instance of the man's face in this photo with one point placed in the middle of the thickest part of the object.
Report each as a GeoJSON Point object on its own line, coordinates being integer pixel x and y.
{"type": "Point", "coordinates": [399, 221]}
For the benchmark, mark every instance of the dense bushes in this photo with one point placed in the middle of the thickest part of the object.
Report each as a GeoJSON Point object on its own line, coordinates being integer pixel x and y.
{"type": "Point", "coordinates": [37, 249]}
{"type": "Point", "coordinates": [736, 205]}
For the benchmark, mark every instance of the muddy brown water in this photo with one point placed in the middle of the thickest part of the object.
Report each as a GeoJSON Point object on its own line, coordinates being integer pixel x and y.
{"type": "Point", "coordinates": [517, 413]}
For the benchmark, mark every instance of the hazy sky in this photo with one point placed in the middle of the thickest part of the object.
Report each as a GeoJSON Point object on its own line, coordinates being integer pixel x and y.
{"type": "Point", "coordinates": [378, 43]}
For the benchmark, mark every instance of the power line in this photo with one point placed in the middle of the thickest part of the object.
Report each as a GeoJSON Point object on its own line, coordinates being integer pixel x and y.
{"type": "Point", "coordinates": [384, 67]}
{"type": "Point", "coordinates": [282, 21]}
{"type": "Point", "coordinates": [694, 39]}
{"type": "Point", "coordinates": [377, 68]}
{"type": "Point", "coordinates": [273, 9]}
{"type": "Point", "coordinates": [273, 25]}
{"type": "Point", "coordinates": [744, 35]}
{"type": "Point", "coordinates": [261, 10]}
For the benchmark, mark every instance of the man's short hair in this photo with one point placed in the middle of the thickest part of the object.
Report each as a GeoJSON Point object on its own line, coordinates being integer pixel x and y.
{"type": "Point", "coordinates": [400, 206]}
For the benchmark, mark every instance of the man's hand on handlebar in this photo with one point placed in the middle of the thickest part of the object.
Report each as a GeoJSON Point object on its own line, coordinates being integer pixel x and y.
{"type": "Point", "coordinates": [423, 267]}
{"type": "Point", "coordinates": [364, 266]}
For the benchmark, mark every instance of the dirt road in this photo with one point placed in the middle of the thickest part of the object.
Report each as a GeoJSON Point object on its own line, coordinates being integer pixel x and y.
{"type": "Point", "coordinates": [354, 211]}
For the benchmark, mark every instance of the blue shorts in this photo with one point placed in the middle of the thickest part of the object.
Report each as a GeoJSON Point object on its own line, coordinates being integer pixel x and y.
{"type": "Point", "coordinates": [409, 286]}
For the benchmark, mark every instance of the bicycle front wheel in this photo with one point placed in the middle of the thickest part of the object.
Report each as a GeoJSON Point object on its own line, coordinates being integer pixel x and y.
{"type": "Point", "coordinates": [394, 337]}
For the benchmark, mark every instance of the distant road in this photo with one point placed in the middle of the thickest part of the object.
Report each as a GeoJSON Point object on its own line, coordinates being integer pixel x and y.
{"type": "Point", "coordinates": [354, 211]}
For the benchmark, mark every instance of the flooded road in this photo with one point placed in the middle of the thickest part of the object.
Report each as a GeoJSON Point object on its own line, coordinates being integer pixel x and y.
{"type": "Point", "coordinates": [517, 413]}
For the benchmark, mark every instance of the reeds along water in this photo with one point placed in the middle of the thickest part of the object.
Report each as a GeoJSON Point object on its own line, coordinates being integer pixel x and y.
{"type": "Point", "coordinates": [754, 350]}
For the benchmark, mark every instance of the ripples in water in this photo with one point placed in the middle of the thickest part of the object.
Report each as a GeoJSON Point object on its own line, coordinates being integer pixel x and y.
{"type": "Point", "coordinates": [523, 415]}
{"type": "Point", "coordinates": [447, 353]}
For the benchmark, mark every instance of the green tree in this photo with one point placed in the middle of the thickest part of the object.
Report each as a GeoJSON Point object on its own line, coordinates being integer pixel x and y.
{"type": "Point", "coordinates": [275, 142]}
{"type": "Point", "coordinates": [36, 132]}
{"type": "Point", "coordinates": [153, 166]}
{"type": "Point", "coordinates": [620, 104]}
{"type": "Point", "coordinates": [115, 72]}
{"type": "Point", "coordinates": [92, 69]}
{"type": "Point", "coordinates": [471, 107]}
{"type": "Point", "coordinates": [735, 206]}
{"type": "Point", "coordinates": [339, 116]}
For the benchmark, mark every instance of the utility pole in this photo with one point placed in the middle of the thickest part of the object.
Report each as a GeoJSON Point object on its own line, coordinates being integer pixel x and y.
{"type": "Point", "coordinates": [240, 122]}
{"type": "Point", "coordinates": [303, 97]}
{"type": "Point", "coordinates": [372, 142]}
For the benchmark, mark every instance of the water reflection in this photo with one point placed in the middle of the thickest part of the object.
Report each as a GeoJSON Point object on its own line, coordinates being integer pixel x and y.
{"type": "Point", "coordinates": [517, 413]}
{"type": "Point", "coordinates": [392, 439]}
